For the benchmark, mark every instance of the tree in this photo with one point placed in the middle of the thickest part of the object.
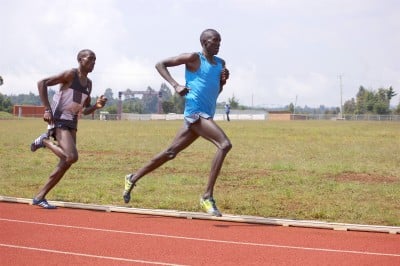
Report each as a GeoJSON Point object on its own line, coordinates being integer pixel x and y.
{"type": "Point", "coordinates": [1, 80]}
{"type": "Point", "coordinates": [133, 105]}
{"type": "Point", "coordinates": [165, 92]}
{"type": "Point", "coordinates": [349, 106]}
{"type": "Point", "coordinates": [176, 104]}
{"type": "Point", "coordinates": [168, 107]}
{"type": "Point", "coordinates": [382, 102]}
{"type": "Point", "coordinates": [390, 93]}
{"type": "Point", "coordinates": [150, 101]}
{"type": "Point", "coordinates": [112, 109]}
{"type": "Point", "coordinates": [375, 102]}
{"type": "Point", "coordinates": [291, 108]}
{"type": "Point", "coordinates": [28, 99]}
{"type": "Point", "coordinates": [109, 94]}
{"type": "Point", "coordinates": [233, 102]}
{"type": "Point", "coordinates": [171, 103]}
{"type": "Point", "coordinates": [5, 104]}
{"type": "Point", "coordinates": [361, 101]}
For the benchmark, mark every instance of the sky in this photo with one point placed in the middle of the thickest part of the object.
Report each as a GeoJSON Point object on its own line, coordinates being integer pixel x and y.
{"type": "Point", "coordinates": [305, 52]}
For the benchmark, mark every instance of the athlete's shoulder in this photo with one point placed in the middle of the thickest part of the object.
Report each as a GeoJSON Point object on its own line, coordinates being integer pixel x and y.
{"type": "Point", "coordinates": [190, 56]}
{"type": "Point", "coordinates": [70, 73]}
{"type": "Point", "coordinates": [192, 61]}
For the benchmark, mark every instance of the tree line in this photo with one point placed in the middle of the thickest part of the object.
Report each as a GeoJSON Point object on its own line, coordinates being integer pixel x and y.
{"type": "Point", "coordinates": [152, 101]}
{"type": "Point", "coordinates": [164, 101]}
{"type": "Point", "coordinates": [371, 102]}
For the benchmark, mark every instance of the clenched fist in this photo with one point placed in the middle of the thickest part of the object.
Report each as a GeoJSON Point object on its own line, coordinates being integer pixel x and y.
{"type": "Point", "coordinates": [101, 101]}
{"type": "Point", "coordinates": [224, 75]}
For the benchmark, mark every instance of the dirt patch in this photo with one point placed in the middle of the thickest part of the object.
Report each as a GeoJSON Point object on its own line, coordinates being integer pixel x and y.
{"type": "Point", "coordinates": [365, 178]}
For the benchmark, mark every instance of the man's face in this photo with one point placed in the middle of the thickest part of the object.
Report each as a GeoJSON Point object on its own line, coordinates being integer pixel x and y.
{"type": "Point", "coordinates": [212, 43]}
{"type": "Point", "coordinates": [87, 61]}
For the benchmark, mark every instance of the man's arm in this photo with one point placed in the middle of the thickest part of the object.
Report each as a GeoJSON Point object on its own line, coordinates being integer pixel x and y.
{"type": "Point", "coordinates": [190, 60]}
{"type": "Point", "coordinates": [100, 102]}
{"type": "Point", "coordinates": [64, 78]}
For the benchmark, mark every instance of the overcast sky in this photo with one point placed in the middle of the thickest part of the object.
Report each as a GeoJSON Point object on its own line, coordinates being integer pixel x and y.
{"type": "Point", "coordinates": [276, 50]}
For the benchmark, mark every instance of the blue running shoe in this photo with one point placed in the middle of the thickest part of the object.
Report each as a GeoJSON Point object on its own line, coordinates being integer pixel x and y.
{"type": "Point", "coordinates": [43, 203]}
{"type": "Point", "coordinates": [38, 143]}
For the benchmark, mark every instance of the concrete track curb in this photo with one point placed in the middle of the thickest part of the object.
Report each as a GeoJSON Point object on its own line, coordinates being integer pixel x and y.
{"type": "Point", "coordinates": [225, 217]}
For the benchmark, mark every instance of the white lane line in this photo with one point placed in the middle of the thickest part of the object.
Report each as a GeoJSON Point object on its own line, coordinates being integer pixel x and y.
{"type": "Point", "coordinates": [84, 255]}
{"type": "Point", "coordinates": [208, 240]}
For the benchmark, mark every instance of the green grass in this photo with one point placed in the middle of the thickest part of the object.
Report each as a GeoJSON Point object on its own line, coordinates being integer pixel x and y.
{"type": "Point", "coordinates": [337, 171]}
{"type": "Point", "coordinates": [5, 115]}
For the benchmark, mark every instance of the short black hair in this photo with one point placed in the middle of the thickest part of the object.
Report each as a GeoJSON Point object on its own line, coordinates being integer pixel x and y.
{"type": "Point", "coordinates": [204, 35]}
{"type": "Point", "coordinates": [82, 52]}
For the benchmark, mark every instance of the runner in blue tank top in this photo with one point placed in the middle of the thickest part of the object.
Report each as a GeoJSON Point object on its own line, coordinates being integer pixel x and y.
{"type": "Point", "coordinates": [204, 87]}
{"type": "Point", "coordinates": [205, 77]}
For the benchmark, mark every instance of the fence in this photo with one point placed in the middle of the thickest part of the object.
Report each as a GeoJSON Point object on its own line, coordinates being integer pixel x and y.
{"type": "Point", "coordinates": [249, 116]}
{"type": "Point", "coordinates": [221, 117]}
{"type": "Point", "coordinates": [346, 117]}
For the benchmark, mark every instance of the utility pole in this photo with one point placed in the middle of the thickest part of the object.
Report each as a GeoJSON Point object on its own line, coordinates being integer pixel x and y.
{"type": "Point", "coordinates": [119, 106]}
{"type": "Point", "coordinates": [341, 97]}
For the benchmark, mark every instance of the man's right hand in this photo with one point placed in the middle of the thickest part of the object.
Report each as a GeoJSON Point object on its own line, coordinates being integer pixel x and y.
{"type": "Point", "coordinates": [182, 90]}
{"type": "Point", "coordinates": [48, 117]}
{"type": "Point", "coordinates": [224, 75]}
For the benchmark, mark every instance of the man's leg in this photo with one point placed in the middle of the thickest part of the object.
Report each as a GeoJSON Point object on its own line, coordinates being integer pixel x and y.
{"type": "Point", "coordinates": [209, 130]}
{"type": "Point", "coordinates": [182, 140]}
{"type": "Point", "coordinates": [68, 154]}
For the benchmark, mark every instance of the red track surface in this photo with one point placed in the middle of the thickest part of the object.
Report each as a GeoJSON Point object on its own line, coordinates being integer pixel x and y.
{"type": "Point", "coordinates": [30, 235]}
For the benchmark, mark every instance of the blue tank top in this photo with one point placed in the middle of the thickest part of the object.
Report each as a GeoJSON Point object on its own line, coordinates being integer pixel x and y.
{"type": "Point", "coordinates": [204, 85]}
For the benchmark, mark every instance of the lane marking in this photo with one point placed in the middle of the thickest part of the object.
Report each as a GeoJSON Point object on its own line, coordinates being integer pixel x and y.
{"type": "Point", "coordinates": [85, 255]}
{"type": "Point", "coordinates": [208, 240]}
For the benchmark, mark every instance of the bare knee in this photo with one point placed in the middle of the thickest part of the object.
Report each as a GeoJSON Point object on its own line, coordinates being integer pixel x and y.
{"type": "Point", "coordinates": [71, 158]}
{"type": "Point", "coordinates": [226, 146]}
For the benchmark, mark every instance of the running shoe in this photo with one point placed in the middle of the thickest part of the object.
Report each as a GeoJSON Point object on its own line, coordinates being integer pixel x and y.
{"type": "Point", "coordinates": [128, 188]}
{"type": "Point", "coordinates": [43, 203]}
{"type": "Point", "coordinates": [209, 206]}
{"type": "Point", "coordinates": [38, 143]}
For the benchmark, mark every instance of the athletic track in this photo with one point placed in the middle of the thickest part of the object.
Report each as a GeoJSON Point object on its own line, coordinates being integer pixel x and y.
{"type": "Point", "coordinates": [30, 235]}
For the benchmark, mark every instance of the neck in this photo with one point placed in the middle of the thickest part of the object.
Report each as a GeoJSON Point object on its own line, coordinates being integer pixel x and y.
{"type": "Point", "coordinates": [209, 57]}
{"type": "Point", "coordinates": [82, 73]}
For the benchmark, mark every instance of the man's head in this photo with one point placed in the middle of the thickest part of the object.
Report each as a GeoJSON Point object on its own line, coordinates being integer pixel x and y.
{"type": "Point", "coordinates": [210, 40]}
{"type": "Point", "coordinates": [86, 59]}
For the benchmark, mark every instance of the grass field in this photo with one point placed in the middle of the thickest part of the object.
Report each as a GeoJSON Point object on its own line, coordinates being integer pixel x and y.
{"type": "Point", "coordinates": [337, 171]}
